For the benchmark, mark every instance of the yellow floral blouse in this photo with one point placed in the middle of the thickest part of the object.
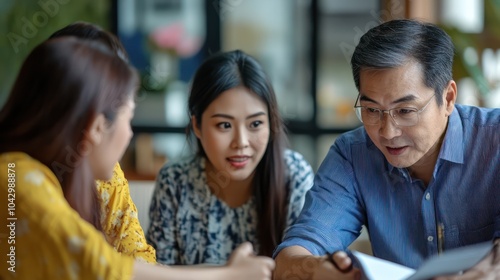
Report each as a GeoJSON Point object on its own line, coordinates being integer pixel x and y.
{"type": "Point", "coordinates": [119, 218]}
{"type": "Point", "coordinates": [41, 236]}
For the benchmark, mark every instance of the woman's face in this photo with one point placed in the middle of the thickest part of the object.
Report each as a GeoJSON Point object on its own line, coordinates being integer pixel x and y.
{"type": "Point", "coordinates": [234, 132]}
{"type": "Point", "coordinates": [112, 143]}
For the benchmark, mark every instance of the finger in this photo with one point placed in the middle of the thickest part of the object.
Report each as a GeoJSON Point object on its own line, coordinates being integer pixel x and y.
{"type": "Point", "coordinates": [496, 253]}
{"type": "Point", "coordinates": [357, 274]}
{"type": "Point", "coordinates": [242, 251]}
{"type": "Point", "coordinates": [245, 249]}
{"type": "Point", "coordinates": [341, 261]}
{"type": "Point", "coordinates": [268, 262]}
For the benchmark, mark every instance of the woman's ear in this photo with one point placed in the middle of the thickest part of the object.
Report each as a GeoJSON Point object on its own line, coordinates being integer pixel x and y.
{"type": "Point", "coordinates": [196, 128]}
{"type": "Point", "coordinates": [97, 129]}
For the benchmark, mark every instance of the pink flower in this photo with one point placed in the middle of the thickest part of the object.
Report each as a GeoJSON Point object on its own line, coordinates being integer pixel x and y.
{"type": "Point", "coordinates": [173, 38]}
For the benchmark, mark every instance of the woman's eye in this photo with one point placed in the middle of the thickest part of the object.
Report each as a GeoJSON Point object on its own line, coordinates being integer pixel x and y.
{"type": "Point", "coordinates": [224, 125]}
{"type": "Point", "coordinates": [255, 124]}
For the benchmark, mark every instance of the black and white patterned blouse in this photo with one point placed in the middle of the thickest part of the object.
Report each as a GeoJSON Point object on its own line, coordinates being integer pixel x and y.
{"type": "Point", "coordinates": [190, 225]}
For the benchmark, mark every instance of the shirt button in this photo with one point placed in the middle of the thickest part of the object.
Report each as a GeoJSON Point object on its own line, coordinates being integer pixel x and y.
{"type": "Point", "coordinates": [427, 196]}
{"type": "Point", "coordinates": [430, 238]}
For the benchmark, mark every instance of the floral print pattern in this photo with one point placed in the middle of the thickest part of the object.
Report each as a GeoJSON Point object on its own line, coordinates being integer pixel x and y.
{"type": "Point", "coordinates": [190, 225]}
{"type": "Point", "coordinates": [119, 219]}
{"type": "Point", "coordinates": [52, 241]}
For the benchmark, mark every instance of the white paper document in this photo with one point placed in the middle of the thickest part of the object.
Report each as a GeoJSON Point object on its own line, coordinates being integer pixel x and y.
{"type": "Point", "coordinates": [450, 262]}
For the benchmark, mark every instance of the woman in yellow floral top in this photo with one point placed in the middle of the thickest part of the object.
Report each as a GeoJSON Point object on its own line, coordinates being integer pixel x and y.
{"type": "Point", "coordinates": [65, 124]}
{"type": "Point", "coordinates": [119, 220]}
{"type": "Point", "coordinates": [45, 224]}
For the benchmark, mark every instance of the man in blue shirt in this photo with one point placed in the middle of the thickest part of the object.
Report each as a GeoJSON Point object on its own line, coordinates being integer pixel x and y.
{"type": "Point", "coordinates": [419, 167]}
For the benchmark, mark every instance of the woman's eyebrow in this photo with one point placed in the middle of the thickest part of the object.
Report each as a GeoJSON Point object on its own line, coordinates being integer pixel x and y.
{"type": "Point", "coordinates": [232, 118]}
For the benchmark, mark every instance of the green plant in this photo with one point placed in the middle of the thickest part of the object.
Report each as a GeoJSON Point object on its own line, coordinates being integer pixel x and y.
{"type": "Point", "coordinates": [26, 23]}
{"type": "Point", "coordinates": [489, 38]}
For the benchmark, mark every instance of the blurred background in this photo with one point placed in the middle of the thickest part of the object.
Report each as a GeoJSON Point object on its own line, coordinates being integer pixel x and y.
{"type": "Point", "coordinates": [304, 45]}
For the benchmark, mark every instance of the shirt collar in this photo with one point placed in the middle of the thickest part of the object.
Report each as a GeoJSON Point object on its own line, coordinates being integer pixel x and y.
{"type": "Point", "coordinates": [452, 148]}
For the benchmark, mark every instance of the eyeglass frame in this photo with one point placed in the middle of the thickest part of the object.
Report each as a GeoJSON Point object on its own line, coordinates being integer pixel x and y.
{"type": "Point", "coordinates": [382, 112]}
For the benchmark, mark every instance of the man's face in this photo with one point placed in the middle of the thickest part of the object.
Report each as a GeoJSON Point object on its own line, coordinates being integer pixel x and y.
{"type": "Point", "coordinates": [414, 147]}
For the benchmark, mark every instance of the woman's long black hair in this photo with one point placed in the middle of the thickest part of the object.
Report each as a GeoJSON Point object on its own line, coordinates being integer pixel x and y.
{"type": "Point", "coordinates": [228, 70]}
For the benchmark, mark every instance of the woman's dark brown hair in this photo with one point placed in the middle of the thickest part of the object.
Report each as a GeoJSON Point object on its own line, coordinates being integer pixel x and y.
{"type": "Point", "coordinates": [89, 31]}
{"type": "Point", "coordinates": [228, 70]}
{"type": "Point", "coordinates": [62, 86]}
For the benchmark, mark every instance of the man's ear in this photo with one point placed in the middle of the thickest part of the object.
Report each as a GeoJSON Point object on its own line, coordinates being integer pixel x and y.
{"type": "Point", "coordinates": [196, 128]}
{"type": "Point", "coordinates": [450, 97]}
{"type": "Point", "coordinates": [97, 129]}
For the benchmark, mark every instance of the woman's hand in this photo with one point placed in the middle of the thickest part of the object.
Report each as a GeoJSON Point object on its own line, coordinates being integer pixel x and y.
{"type": "Point", "coordinates": [244, 265]}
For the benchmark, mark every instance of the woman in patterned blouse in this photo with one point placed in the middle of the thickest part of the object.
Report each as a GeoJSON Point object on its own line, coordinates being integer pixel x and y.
{"type": "Point", "coordinates": [65, 124]}
{"type": "Point", "coordinates": [243, 185]}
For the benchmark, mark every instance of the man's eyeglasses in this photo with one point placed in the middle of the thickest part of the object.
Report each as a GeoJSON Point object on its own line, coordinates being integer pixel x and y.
{"type": "Point", "coordinates": [402, 116]}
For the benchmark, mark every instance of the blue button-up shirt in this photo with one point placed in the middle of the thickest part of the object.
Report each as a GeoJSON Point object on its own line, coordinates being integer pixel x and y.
{"type": "Point", "coordinates": [355, 186]}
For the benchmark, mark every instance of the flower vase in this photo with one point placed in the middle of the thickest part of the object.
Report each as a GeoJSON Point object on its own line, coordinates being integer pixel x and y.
{"type": "Point", "coordinates": [164, 70]}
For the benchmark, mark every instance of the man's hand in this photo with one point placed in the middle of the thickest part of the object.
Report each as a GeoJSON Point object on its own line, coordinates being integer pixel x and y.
{"type": "Point", "coordinates": [296, 263]}
{"type": "Point", "coordinates": [337, 266]}
{"type": "Point", "coordinates": [487, 269]}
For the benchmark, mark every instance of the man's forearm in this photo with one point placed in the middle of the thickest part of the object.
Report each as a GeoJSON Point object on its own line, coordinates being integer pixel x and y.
{"type": "Point", "coordinates": [294, 266]}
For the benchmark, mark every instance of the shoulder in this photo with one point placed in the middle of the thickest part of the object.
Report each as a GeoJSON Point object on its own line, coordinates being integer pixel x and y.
{"type": "Point", "coordinates": [117, 181]}
{"type": "Point", "coordinates": [355, 137]}
{"type": "Point", "coordinates": [295, 161]}
{"type": "Point", "coordinates": [32, 179]}
{"type": "Point", "coordinates": [45, 217]}
{"type": "Point", "coordinates": [478, 116]}
{"type": "Point", "coordinates": [299, 171]}
{"type": "Point", "coordinates": [350, 146]}
{"type": "Point", "coordinates": [181, 170]}
{"type": "Point", "coordinates": [37, 190]}
{"type": "Point", "coordinates": [181, 175]}
{"type": "Point", "coordinates": [470, 128]}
